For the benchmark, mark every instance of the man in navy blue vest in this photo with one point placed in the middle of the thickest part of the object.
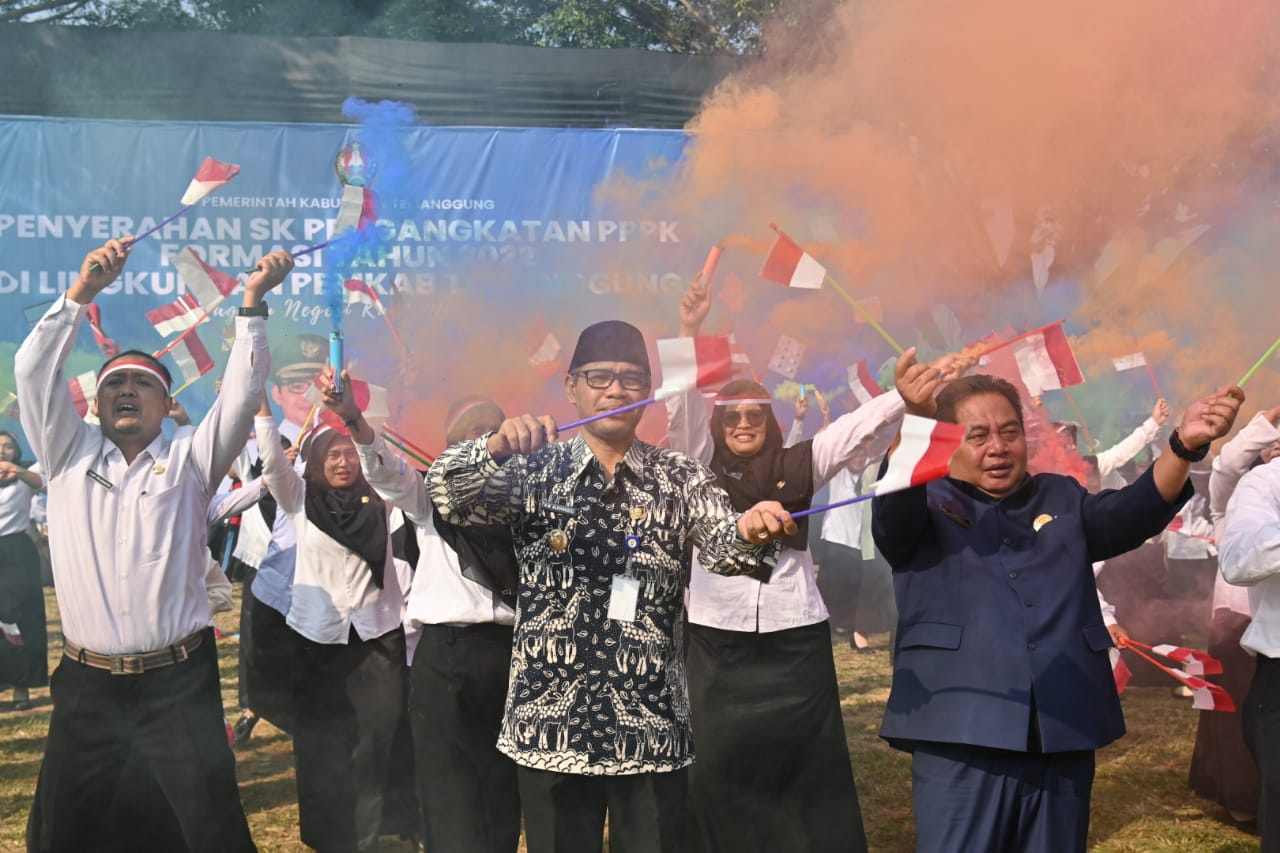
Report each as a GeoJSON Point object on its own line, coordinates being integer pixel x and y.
{"type": "Point", "coordinates": [1002, 685]}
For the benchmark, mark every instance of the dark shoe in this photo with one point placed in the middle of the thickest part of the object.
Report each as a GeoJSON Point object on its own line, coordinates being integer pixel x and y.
{"type": "Point", "coordinates": [243, 729]}
{"type": "Point", "coordinates": [21, 699]}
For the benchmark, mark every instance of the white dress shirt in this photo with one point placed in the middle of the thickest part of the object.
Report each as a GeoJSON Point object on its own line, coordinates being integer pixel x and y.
{"type": "Point", "coordinates": [1233, 461]}
{"type": "Point", "coordinates": [790, 599]}
{"type": "Point", "coordinates": [129, 561]}
{"type": "Point", "coordinates": [15, 507]}
{"type": "Point", "coordinates": [441, 594]}
{"type": "Point", "coordinates": [1249, 554]}
{"type": "Point", "coordinates": [333, 588]}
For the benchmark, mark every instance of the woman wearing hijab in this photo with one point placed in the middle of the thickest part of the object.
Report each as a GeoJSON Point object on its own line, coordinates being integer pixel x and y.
{"type": "Point", "coordinates": [24, 661]}
{"type": "Point", "coordinates": [772, 770]}
{"type": "Point", "coordinates": [347, 608]}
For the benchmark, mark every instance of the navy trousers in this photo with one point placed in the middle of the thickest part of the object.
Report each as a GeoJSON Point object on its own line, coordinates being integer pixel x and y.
{"type": "Point", "coordinates": [969, 798]}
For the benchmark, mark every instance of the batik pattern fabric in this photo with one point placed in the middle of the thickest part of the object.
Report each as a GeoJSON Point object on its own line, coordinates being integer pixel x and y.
{"type": "Point", "coordinates": [590, 694]}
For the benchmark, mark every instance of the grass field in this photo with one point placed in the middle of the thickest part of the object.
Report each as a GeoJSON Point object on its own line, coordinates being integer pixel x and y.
{"type": "Point", "coordinates": [1141, 803]}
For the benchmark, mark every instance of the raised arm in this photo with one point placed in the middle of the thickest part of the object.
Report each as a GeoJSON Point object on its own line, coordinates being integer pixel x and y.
{"type": "Point", "coordinates": [284, 483]}
{"type": "Point", "coordinates": [222, 434]}
{"type": "Point", "coordinates": [49, 418]}
{"type": "Point", "coordinates": [1249, 549]}
{"type": "Point", "coordinates": [856, 436]}
{"type": "Point", "coordinates": [1128, 447]}
{"type": "Point", "coordinates": [1205, 421]}
{"type": "Point", "coordinates": [1236, 457]}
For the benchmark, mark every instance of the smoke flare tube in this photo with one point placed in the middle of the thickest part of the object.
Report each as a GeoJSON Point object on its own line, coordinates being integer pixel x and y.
{"type": "Point", "coordinates": [709, 266]}
{"type": "Point", "coordinates": [336, 360]}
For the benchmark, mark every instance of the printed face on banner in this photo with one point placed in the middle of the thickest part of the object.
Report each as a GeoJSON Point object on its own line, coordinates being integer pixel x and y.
{"type": "Point", "coordinates": [993, 455]}
{"type": "Point", "coordinates": [291, 397]}
{"type": "Point", "coordinates": [592, 401]}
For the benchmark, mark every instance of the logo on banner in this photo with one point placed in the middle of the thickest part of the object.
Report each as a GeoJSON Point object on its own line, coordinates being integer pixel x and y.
{"type": "Point", "coordinates": [353, 167]}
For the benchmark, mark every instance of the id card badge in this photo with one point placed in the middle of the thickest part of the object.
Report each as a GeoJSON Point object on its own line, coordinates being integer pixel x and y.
{"type": "Point", "coordinates": [623, 598]}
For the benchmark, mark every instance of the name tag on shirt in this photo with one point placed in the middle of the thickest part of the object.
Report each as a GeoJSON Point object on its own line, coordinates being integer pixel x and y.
{"type": "Point", "coordinates": [623, 598]}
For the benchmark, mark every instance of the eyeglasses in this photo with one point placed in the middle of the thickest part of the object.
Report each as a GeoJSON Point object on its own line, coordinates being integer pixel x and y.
{"type": "Point", "coordinates": [601, 378]}
{"type": "Point", "coordinates": [733, 417]}
{"type": "Point", "coordinates": [298, 387]}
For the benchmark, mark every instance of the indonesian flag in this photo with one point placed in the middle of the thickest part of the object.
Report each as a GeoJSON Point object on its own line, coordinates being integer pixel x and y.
{"type": "Point", "coordinates": [790, 265]}
{"type": "Point", "coordinates": [12, 633]}
{"type": "Point", "coordinates": [1129, 362]}
{"type": "Point", "coordinates": [1046, 362]}
{"type": "Point", "coordinates": [1206, 696]}
{"type": "Point", "coordinates": [1194, 661]}
{"type": "Point", "coordinates": [741, 362]}
{"type": "Point", "coordinates": [924, 453]}
{"type": "Point", "coordinates": [371, 400]}
{"type": "Point", "coordinates": [1119, 669]}
{"type": "Point", "coordinates": [689, 363]}
{"type": "Point", "coordinates": [356, 210]}
{"type": "Point", "coordinates": [83, 389]}
{"type": "Point", "coordinates": [207, 284]}
{"type": "Point", "coordinates": [192, 358]}
{"type": "Point", "coordinates": [176, 316]}
{"type": "Point", "coordinates": [93, 314]}
{"type": "Point", "coordinates": [360, 293]}
{"type": "Point", "coordinates": [544, 350]}
{"type": "Point", "coordinates": [861, 384]}
{"type": "Point", "coordinates": [211, 175]}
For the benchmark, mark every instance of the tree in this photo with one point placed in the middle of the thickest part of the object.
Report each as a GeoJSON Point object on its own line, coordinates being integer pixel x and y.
{"type": "Point", "coordinates": [14, 11]}
{"type": "Point", "coordinates": [683, 26]}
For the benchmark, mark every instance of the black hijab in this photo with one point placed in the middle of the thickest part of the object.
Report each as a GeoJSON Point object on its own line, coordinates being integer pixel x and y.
{"type": "Point", "coordinates": [775, 473]}
{"type": "Point", "coordinates": [354, 517]}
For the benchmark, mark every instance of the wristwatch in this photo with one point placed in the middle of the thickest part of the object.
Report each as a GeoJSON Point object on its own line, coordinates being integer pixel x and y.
{"type": "Point", "coordinates": [1181, 451]}
{"type": "Point", "coordinates": [259, 310]}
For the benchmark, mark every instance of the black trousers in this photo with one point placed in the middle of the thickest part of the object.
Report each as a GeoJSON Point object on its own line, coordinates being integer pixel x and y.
{"type": "Point", "coordinates": [268, 671]}
{"type": "Point", "coordinates": [22, 603]}
{"type": "Point", "coordinates": [467, 789]}
{"type": "Point", "coordinates": [565, 812]}
{"type": "Point", "coordinates": [167, 723]}
{"type": "Point", "coordinates": [1262, 736]}
{"type": "Point", "coordinates": [352, 699]}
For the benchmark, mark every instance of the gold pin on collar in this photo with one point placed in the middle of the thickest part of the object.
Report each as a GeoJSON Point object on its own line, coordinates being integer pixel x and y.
{"type": "Point", "coordinates": [638, 513]}
{"type": "Point", "coordinates": [1041, 521]}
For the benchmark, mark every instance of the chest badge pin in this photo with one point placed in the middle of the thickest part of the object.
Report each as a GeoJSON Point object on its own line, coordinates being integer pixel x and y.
{"type": "Point", "coordinates": [638, 513]}
{"type": "Point", "coordinates": [1041, 521]}
{"type": "Point", "coordinates": [159, 469]}
{"type": "Point", "coordinates": [557, 540]}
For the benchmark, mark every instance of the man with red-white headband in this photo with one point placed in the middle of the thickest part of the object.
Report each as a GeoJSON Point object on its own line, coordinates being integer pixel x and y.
{"type": "Point", "coordinates": [138, 683]}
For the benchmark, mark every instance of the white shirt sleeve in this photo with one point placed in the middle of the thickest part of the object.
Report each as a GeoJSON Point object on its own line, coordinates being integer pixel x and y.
{"type": "Point", "coordinates": [396, 481]}
{"type": "Point", "coordinates": [795, 434]}
{"type": "Point", "coordinates": [284, 483]}
{"type": "Point", "coordinates": [852, 437]}
{"type": "Point", "coordinates": [222, 434]}
{"type": "Point", "coordinates": [1113, 457]}
{"type": "Point", "coordinates": [49, 418]}
{"type": "Point", "coordinates": [1233, 462]}
{"type": "Point", "coordinates": [218, 587]}
{"type": "Point", "coordinates": [1249, 550]}
{"type": "Point", "coordinates": [235, 502]}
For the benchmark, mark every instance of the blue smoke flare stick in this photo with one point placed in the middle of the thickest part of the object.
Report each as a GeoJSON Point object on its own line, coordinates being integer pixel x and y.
{"type": "Point", "coordinates": [815, 509]}
{"type": "Point", "coordinates": [145, 234]}
{"type": "Point", "coordinates": [630, 407]}
{"type": "Point", "coordinates": [336, 360]}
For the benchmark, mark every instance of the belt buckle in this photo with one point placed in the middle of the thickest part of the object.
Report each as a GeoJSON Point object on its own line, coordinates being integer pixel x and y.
{"type": "Point", "coordinates": [127, 665]}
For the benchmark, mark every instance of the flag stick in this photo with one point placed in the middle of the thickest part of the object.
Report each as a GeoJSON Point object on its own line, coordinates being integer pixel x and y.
{"type": "Point", "coordinates": [317, 247]}
{"type": "Point", "coordinates": [95, 266]}
{"type": "Point", "coordinates": [404, 449]}
{"type": "Point", "coordinates": [1152, 374]}
{"type": "Point", "coordinates": [180, 338]}
{"type": "Point", "coordinates": [306, 423]}
{"type": "Point", "coordinates": [814, 509]}
{"type": "Point", "coordinates": [862, 312]}
{"type": "Point", "coordinates": [399, 436]}
{"type": "Point", "coordinates": [1260, 362]}
{"type": "Point", "coordinates": [1024, 336]}
{"type": "Point", "coordinates": [184, 386]}
{"type": "Point", "coordinates": [392, 327]}
{"type": "Point", "coordinates": [630, 407]}
{"type": "Point", "coordinates": [1084, 426]}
